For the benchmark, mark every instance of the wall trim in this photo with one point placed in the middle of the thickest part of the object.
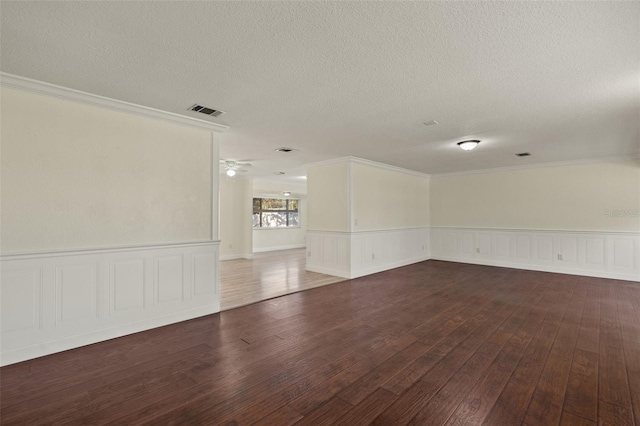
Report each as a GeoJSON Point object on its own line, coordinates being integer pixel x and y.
{"type": "Point", "coordinates": [72, 342]}
{"type": "Point", "coordinates": [358, 160]}
{"type": "Point", "coordinates": [605, 254]}
{"type": "Point", "coordinates": [614, 255]}
{"type": "Point", "coordinates": [67, 300]}
{"type": "Point", "coordinates": [563, 231]}
{"type": "Point", "coordinates": [60, 92]}
{"type": "Point", "coordinates": [365, 231]}
{"type": "Point", "coordinates": [236, 256]}
{"type": "Point", "coordinates": [116, 249]}
{"type": "Point", "coordinates": [277, 248]}
{"type": "Point", "coordinates": [632, 156]}
{"type": "Point", "coordinates": [364, 272]}
{"type": "Point", "coordinates": [356, 254]}
{"type": "Point", "coordinates": [550, 269]}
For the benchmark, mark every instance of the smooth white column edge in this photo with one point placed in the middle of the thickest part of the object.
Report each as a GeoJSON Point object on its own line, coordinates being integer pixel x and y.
{"type": "Point", "coordinates": [77, 341]}
{"type": "Point", "coordinates": [214, 191]}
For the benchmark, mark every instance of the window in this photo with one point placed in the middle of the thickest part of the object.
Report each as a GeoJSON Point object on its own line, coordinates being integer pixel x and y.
{"type": "Point", "coordinates": [275, 213]}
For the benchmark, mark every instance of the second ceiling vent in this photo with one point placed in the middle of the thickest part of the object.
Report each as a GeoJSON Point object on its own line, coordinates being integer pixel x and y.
{"type": "Point", "coordinates": [205, 110]}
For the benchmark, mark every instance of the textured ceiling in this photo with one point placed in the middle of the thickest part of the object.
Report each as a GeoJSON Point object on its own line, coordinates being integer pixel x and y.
{"type": "Point", "coordinates": [560, 80]}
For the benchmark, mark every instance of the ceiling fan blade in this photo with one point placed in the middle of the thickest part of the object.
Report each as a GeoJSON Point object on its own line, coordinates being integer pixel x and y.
{"type": "Point", "coordinates": [232, 163]}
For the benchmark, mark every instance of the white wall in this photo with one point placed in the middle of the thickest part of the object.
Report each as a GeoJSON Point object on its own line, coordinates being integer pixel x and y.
{"type": "Point", "coordinates": [78, 176]}
{"type": "Point", "coordinates": [235, 218]}
{"type": "Point", "coordinates": [328, 197]}
{"type": "Point", "coordinates": [388, 199]}
{"type": "Point", "coordinates": [109, 219]}
{"type": "Point", "coordinates": [570, 197]}
{"type": "Point", "coordinates": [578, 219]}
{"type": "Point", "coordinates": [389, 212]}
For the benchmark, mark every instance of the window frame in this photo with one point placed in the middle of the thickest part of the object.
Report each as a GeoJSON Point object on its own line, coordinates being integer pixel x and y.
{"type": "Point", "coordinates": [286, 211]}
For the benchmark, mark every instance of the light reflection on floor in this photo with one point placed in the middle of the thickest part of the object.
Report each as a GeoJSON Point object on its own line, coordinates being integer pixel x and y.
{"type": "Point", "coordinates": [267, 275]}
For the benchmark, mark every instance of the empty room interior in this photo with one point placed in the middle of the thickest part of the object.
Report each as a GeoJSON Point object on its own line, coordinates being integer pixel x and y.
{"type": "Point", "coordinates": [314, 213]}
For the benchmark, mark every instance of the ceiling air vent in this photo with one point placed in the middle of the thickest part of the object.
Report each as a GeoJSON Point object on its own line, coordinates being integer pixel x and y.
{"type": "Point", "coordinates": [523, 154]}
{"type": "Point", "coordinates": [204, 110]}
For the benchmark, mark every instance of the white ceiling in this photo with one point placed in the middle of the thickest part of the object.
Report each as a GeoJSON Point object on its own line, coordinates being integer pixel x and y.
{"type": "Point", "coordinates": [332, 79]}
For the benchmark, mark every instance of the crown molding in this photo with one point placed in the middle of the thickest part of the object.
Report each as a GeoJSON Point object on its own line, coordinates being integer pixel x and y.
{"type": "Point", "coordinates": [362, 161]}
{"type": "Point", "coordinates": [60, 92]}
{"type": "Point", "coordinates": [628, 157]}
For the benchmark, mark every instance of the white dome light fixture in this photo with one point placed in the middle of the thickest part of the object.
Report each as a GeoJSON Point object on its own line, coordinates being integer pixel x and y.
{"type": "Point", "coordinates": [468, 145]}
{"type": "Point", "coordinates": [231, 173]}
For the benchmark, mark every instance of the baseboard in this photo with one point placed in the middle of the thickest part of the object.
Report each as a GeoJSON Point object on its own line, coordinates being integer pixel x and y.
{"type": "Point", "coordinates": [385, 267]}
{"type": "Point", "coordinates": [236, 256]}
{"type": "Point", "coordinates": [72, 342]}
{"type": "Point", "coordinates": [551, 269]}
{"type": "Point", "coordinates": [277, 248]}
{"type": "Point", "coordinates": [328, 271]}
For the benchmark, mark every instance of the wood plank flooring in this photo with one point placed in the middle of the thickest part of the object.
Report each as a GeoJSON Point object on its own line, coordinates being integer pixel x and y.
{"type": "Point", "coordinates": [267, 275]}
{"type": "Point", "coordinates": [435, 343]}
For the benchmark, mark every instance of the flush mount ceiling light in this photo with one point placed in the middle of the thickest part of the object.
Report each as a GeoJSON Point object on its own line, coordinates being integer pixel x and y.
{"type": "Point", "coordinates": [468, 145]}
{"type": "Point", "coordinates": [286, 193]}
{"type": "Point", "coordinates": [231, 172]}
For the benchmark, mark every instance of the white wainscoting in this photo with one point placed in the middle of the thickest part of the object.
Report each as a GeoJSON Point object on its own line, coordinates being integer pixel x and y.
{"type": "Point", "coordinates": [355, 254]}
{"type": "Point", "coordinates": [52, 302]}
{"type": "Point", "coordinates": [599, 254]}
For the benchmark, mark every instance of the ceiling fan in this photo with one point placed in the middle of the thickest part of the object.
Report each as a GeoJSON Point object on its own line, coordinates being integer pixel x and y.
{"type": "Point", "coordinates": [232, 167]}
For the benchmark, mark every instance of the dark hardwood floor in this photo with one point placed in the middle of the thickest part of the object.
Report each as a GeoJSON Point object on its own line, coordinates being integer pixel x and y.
{"type": "Point", "coordinates": [431, 343]}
